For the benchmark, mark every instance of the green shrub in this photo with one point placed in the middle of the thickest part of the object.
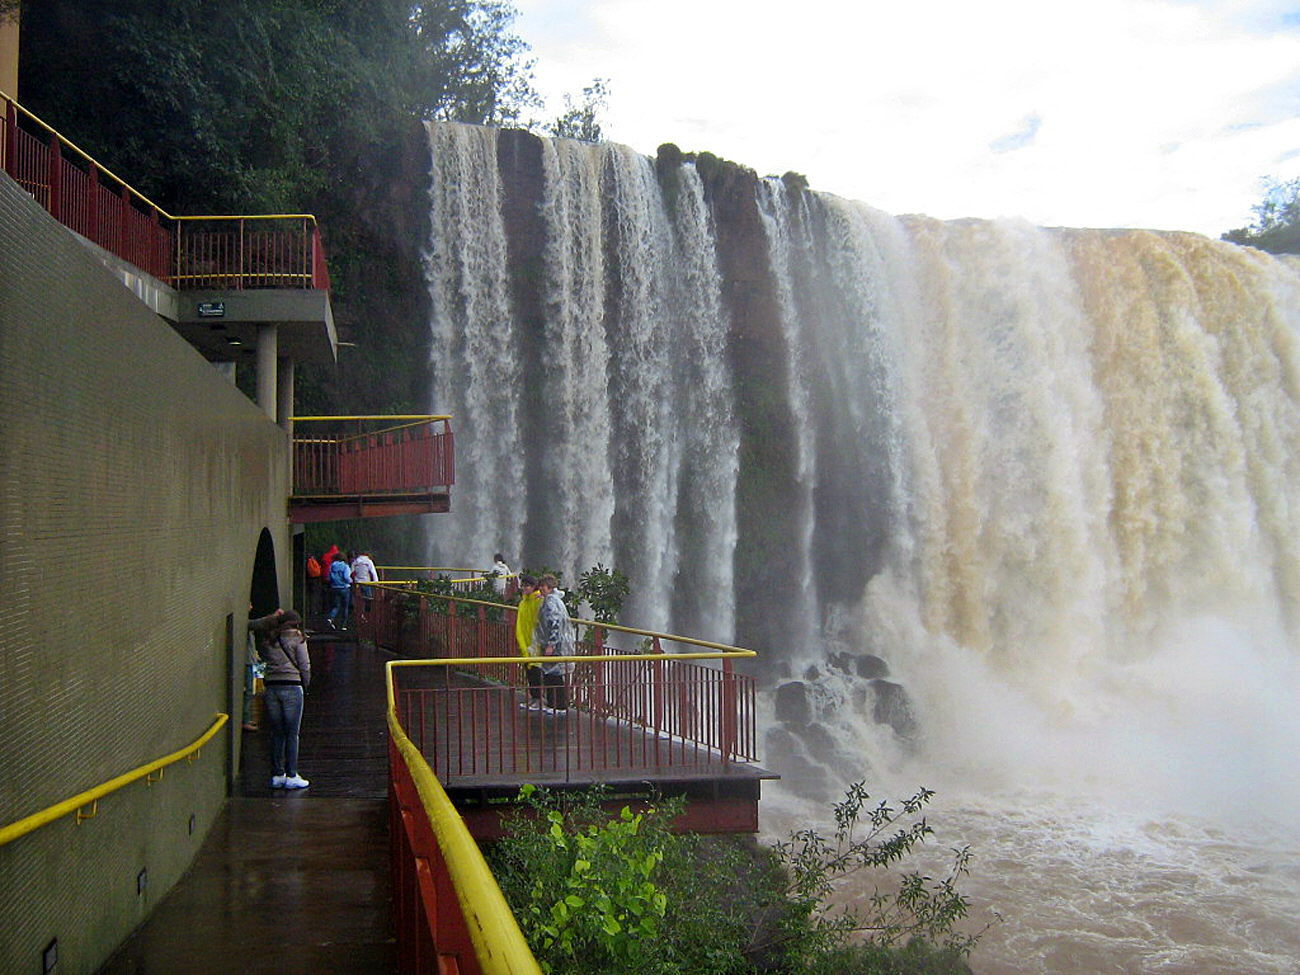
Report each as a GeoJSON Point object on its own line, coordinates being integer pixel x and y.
{"type": "Point", "coordinates": [624, 895]}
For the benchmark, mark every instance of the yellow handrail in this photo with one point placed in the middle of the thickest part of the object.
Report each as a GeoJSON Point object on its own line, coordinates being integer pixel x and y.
{"type": "Point", "coordinates": [65, 141]}
{"type": "Point", "coordinates": [725, 648]}
{"type": "Point", "coordinates": [35, 821]}
{"type": "Point", "coordinates": [389, 416]}
{"type": "Point", "coordinates": [499, 945]}
{"type": "Point", "coordinates": [248, 216]}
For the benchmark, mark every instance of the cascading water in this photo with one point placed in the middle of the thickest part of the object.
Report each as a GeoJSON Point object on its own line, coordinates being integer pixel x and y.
{"type": "Point", "coordinates": [1047, 478]}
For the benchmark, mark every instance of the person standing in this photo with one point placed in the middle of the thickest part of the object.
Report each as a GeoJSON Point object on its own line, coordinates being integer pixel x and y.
{"type": "Point", "coordinates": [340, 594]}
{"type": "Point", "coordinates": [555, 638]}
{"type": "Point", "coordinates": [500, 573]}
{"type": "Point", "coordinates": [363, 571]}
{"type": "Point", "coordinates": [530, 601]}
{"type": "Point", "coordinates": [288, 674]}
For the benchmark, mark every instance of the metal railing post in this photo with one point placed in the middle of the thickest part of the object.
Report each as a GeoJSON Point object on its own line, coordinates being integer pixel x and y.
{"type": "Point", "coordinates": [54, 179]}
{"type": "Point", "coordinates": [10, 147]}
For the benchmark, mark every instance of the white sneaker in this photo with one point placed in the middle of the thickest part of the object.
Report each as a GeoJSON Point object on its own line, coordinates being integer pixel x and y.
{"type": "Point", "coordinates": [533, 705]}
{"type": "Point", "coordinates": [296, 782]}
{"type": "Point", "coordinates": [277, 781]}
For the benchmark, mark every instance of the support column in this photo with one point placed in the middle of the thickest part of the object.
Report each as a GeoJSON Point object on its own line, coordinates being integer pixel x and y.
{"type": "Point", "coordinates": [267, 349]}
{"type": "Point", "coordinates": [284, 393]}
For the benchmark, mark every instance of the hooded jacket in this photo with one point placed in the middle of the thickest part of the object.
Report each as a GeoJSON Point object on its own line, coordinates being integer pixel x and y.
{"type": "Point", "coordinates": [554, 628]}
{"type": "Point", "coordinates": [526, 623]}
{"type": "Point", "coordinates": [284, 650]}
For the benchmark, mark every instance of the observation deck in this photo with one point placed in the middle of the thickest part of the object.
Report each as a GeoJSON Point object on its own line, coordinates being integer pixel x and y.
{"type": "Point", "coordinates": [241, 288]}
{"type": "Point", "coordinates": [450, 773]}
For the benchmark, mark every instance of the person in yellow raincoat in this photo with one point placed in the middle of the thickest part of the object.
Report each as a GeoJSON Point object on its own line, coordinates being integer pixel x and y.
{"type": "Point", "coordinates": [530, 604]}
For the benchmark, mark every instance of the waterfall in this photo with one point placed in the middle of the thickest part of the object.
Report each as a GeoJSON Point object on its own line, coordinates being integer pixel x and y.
{"type": "Point", "coordinates": [1043, 480]}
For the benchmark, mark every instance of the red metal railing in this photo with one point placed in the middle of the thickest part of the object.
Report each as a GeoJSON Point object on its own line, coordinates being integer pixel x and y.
{"type": "Point", "coordinates": [631, 714]}
{"type": "Point", "coordinates": [412, 458]}
{"type": "Point", "coordinates": [426, 913]}
{"type": "Point", "coordinates": [449, 914]}
{"type": "Point", "coordinates": [277, 251]}
{"type": "Point", "coordinates": [235, 253]}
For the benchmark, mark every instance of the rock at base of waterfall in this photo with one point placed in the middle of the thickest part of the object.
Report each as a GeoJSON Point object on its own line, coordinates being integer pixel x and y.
{"type": "Point", "coordinates": [792, 703]}
{"type": "Point", "coordinates": [893, 707]}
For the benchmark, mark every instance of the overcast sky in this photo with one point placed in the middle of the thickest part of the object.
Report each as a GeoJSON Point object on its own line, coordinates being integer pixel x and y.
{"type": "Point", "coordinates": [1090, 113]}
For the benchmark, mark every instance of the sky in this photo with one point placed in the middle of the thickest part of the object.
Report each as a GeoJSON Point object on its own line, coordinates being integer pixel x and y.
{"type": "Point", "coordinates": [1163, 114]}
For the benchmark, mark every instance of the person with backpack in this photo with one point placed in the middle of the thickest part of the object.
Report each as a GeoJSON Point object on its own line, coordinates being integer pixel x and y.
{"type": "Point", "coordinates": [288, 674]}
{"type": "Point", "coordinates": [315, 586]}
{"type": "Point", "coordinates": [340, 593]}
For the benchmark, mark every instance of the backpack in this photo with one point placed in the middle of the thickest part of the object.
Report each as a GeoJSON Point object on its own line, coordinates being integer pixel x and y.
{"type": "Point", "coordinates": [313, 567]}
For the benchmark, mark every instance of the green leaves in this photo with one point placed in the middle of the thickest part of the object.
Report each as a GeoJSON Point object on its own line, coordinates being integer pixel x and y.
{"type": "Point", "coordinates": [604, 590]}
{"type": "Point", "coordinates": [599, 892]}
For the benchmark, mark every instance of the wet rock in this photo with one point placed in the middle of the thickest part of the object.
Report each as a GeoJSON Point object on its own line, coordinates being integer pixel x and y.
{"type": "Point", "coordinates": [865, 665]}
{"type": "Point", "coordinates": [893, 707]}
{"type": "Point", "coordinates": [817, 738]}
{"type": "Point", "coordinates": [793, 705]}
{"type": "Point", "coordinates": [871, 667]}
{"type": "Point", "coordinates": [784, 754]}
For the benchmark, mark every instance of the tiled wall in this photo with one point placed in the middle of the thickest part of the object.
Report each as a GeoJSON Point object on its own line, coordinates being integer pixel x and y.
{"type": "Point", "coordinates": [134, 485]}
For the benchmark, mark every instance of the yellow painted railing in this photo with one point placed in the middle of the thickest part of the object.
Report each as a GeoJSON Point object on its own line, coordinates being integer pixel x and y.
{"type": "Point", "coordinates": [91, 797]}
{"type": "Point", "coordinates": [281, 250]}
{"type": "Point", "coordinates": [499, 946]}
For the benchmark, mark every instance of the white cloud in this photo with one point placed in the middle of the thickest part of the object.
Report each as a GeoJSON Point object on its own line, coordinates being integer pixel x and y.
{"type": "Point", "coordinates": [1155, 113]}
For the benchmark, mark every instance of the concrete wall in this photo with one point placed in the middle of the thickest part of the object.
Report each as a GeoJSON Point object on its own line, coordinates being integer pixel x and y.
{"type": "Point", "coordinates": [135, 484]}
{"type": "Point", "coordinates": [9, 56]}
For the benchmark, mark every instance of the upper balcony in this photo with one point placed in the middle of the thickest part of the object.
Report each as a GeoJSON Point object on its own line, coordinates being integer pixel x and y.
{"type": "Point", "coordinates": [251, 288]}
{"type": "Point", "coordinates": [349, 469]}
{"type": "Point", "coordinates": [221, 281]}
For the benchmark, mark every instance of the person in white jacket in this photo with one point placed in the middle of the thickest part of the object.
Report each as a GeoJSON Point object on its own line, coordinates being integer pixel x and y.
{"type": "Point", "coordinates": [555, 637]}
{"type": "Point", "coordinates": [363, 571]}
{"type": "Point", "coordinates": [499, 574]}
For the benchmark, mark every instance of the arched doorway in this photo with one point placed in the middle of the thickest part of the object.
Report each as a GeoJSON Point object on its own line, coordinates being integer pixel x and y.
{"type": "Point", "coordinates": [264, 589]}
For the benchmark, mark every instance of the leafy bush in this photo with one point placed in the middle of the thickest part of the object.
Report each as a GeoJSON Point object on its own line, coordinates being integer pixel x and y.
{"type": "Point", "coordinates": [625, 894]}
{"type": "Point", "coordinates": [604, 590]}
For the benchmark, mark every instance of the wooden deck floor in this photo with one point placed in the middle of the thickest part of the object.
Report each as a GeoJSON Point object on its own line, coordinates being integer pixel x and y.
{"type": "Point", "coordinates": [298, 882]}
{"type": "Point", "coordinates": [291, 882]}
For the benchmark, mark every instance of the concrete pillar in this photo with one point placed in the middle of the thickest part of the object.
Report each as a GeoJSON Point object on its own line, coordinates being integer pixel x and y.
{"type": "Point", "coordinates": [226, 370]}
{"type": "Point", "coordinates": [267, 349]}
{"type": "Point", "coordinates": [284, 392]}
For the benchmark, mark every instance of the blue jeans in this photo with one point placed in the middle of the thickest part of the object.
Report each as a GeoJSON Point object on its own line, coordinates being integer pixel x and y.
{"type": "Point", "coordinates": [284, 711]}
{"type": "Point", "coordinates": [342, 608]}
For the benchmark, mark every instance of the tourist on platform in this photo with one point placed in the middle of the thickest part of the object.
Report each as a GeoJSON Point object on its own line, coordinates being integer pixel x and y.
{"type": "Point", "coordinates": [530, 601]}
{"type": "Point", "coordinates": [254, 668]}
{"type": "Point", "coordinates": [340, 594]}
{"type": "Point", "coordinates": [499, 574]}
{"type": "Point", "coordinates": [288, 673]}
{"type": "Point", "coordinates": [363, 571]}
{"type": "Point", "coordinates": [555, 637]}
{"type": "Point", "coordinates": [317, 574]}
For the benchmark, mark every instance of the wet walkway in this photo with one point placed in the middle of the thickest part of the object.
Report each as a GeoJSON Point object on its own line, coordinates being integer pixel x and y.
{"type": "Point", "coordinates": [291, 882]}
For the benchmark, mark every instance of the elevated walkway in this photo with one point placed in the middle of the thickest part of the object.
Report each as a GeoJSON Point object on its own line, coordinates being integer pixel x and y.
{"type": "Point", "coordinates": [292, 882]}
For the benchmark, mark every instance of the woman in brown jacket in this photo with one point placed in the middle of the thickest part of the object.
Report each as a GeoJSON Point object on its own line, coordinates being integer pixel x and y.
{"type": "Point", "coordinates": [288, 673]}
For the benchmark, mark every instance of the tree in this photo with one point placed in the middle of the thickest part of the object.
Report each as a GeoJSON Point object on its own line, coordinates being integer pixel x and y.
{"type": "Point", "coordinates": [1277, 220]}
{"type": "Point", "coordinates": [581, 120]}
{"type": "Point", "coordinates": [472, 68]}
